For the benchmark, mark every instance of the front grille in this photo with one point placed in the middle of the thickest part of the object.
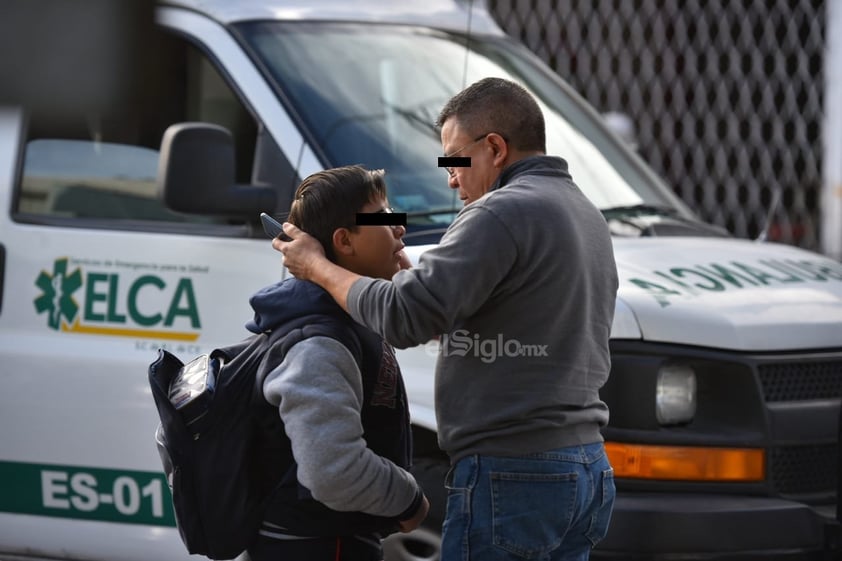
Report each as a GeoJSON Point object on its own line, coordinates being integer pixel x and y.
{"type": "Point", "coordinates": [808, 468]}
{"type": "Point", "coordinates": [804, 469]}
{"type": "Point", "coordinates": [794, 381]}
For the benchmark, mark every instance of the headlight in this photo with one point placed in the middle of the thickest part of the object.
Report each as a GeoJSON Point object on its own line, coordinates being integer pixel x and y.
{"type": "Point", "coordinates": [675, 394]}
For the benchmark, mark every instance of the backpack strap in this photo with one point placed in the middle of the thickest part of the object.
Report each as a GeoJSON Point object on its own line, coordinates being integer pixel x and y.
{"type": "Point", "coordinates": [230, 352]}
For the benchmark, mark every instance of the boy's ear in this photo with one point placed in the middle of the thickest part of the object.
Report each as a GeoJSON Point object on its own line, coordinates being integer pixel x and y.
{"type": "Point", "coordinates": [342, 242]}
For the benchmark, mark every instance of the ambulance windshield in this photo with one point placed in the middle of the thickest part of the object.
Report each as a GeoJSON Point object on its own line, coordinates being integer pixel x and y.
{"type": "Point", "coordinates": [370, 94]}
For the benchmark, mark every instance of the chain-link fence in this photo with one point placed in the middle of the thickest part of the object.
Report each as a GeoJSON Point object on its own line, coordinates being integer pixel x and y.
{"type": "Point", "coordinates": [726, 96]}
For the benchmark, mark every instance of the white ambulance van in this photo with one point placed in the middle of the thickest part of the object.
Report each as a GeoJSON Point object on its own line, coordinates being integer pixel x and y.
{"type": "Point", "coordinates": [133, 230]}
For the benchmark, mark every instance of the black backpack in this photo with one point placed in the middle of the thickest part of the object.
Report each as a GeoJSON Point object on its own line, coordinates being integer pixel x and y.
{"type": "Point", "coordinates": [212, 458]}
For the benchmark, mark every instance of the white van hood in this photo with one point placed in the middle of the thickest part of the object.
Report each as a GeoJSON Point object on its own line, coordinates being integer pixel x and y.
{"type": "Point", "coordinates": [727, 293]}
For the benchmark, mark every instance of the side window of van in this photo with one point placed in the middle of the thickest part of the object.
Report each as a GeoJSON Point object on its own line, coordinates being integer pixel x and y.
{"type": "Point", "coordinates": [103, 167]}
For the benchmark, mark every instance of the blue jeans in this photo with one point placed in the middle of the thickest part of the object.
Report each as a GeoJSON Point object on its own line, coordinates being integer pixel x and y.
{"type": "Point", "coordinates": [550, 506]}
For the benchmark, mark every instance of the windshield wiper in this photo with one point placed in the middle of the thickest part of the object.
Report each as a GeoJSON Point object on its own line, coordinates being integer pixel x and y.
{"type": "Point", "coordinates": [627, 215]}
{"type": "Point", "coordinates": [640, 210]}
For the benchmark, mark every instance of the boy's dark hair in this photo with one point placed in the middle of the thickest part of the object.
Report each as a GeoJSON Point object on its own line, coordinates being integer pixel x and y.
{"type": "Point", "coordinates": [331, 199]}
{"type": "Point", "coordinates": [501, 106]}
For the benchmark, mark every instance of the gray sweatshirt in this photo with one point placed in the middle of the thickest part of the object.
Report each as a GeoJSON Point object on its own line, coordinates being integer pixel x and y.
{"type": "Point", "coordinates": [321, 408]}
{"type": "Point", "coordinates": [522, 289]}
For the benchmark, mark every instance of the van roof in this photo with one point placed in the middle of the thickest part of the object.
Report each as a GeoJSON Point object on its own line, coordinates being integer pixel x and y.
{"type": "Point", "coordinates": [451, 15]}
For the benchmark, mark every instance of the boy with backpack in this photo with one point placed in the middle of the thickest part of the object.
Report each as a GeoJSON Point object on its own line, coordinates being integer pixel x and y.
{"type": "Point", "coordinates": [346, 442]}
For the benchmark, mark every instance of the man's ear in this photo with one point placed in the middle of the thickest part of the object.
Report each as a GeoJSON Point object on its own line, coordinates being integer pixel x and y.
{"type": "Point", "coordinates": [501, 150]}
{"type": "Point", "coordinates": [342, 242]}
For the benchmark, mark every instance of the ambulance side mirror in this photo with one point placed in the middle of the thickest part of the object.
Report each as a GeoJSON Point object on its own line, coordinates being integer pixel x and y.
{"type": "Point", "coordinates": [196, 174]}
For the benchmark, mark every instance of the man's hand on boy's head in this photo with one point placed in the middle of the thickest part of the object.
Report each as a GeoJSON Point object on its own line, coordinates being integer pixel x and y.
{"type": "Point", "coordinates": [301, 254]}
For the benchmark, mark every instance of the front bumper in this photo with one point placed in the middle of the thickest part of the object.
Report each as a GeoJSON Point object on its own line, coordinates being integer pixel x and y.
{"type": "Point", "coordinates": [717, 527]}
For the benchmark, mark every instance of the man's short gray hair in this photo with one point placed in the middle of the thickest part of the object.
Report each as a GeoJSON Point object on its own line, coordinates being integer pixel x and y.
{"type": "Point", "coordinates": [501, 106]}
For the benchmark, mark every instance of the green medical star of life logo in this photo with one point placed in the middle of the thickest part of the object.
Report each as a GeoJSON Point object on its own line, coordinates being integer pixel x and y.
{"type": "Point", "coordinates": [57, 293]}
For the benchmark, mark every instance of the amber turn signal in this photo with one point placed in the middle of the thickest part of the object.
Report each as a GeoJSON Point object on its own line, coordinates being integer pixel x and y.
{"type": "Point", "coordinates": [686, 463]}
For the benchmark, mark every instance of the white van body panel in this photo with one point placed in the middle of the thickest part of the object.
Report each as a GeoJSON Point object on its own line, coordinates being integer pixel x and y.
{"type": "Point", "coordinates": [138, 291]}
{"type": "Point", "coordinates": [56, 539]}
{"type": "Point", "coordinates": [11, 122]}
{"type": "Point", "coordinates": [731, 294]}
{"type": "Point", "coordinates": [443, 14]}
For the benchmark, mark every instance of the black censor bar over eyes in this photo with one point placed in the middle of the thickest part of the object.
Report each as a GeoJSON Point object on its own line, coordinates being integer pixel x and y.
{"type": "Point", "coordinates": [381, 219]}
{"type": "Point", "coordinates": [454, 161]}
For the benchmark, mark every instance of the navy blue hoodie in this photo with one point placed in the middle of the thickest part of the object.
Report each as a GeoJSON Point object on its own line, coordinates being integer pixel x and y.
{"type": "Point", "coordinates": [346, 440]}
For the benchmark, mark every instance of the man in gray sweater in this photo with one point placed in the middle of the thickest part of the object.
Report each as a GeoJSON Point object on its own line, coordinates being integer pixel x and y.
{"type": "Point", "coordinates": [521, 290]}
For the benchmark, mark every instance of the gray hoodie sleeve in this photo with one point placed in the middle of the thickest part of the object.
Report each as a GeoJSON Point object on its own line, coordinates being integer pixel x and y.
{"type": "Point", "coordinates": [452, 280]}
{"type": "Point", "coordinates": [318, 392]}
